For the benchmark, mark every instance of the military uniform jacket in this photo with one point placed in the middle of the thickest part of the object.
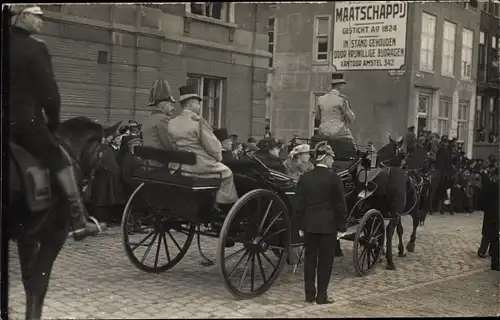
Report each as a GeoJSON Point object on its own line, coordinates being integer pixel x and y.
{"type": "Point", "coordinates": [335, 112]}
{"type": "Point", "coordinates": [33, 87]}
{"type": "Point", "coordinates": [155, 131]}
{"type": "Point", "coordinates": [320, 202]}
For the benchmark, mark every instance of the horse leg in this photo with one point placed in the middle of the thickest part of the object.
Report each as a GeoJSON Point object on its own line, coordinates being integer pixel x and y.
{"type": "Point", "coordinates": [28, 254]}
{"type": "Point", "coordinates": [40, 273]}
{"type": "Point", "coordinates": [411, 244]}
{"type": "Point", "coordinates": [391, 226]}
{"type": "Point", "coordinates": [400, 230]}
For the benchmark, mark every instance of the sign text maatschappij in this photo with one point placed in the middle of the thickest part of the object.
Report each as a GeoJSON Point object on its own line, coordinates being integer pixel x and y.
{"type": "Point", "coordinates": [369, 35]}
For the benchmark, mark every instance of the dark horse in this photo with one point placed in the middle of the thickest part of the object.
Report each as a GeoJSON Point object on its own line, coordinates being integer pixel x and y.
{"type": "Point", "coordinates": [41, 234]}
{"type": "Point", "coordinates": [397, 194]}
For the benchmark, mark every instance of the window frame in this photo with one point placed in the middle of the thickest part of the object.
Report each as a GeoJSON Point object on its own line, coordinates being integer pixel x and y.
{"type": "Point", "coordinates": [428, 113]}
{"type": "Point", "coordinates": [426, 37]}
{"type": "Point", "coordinates": [463, 121]}
{"type": "Point", "coordinates": [441, 118]}
{"type": "Point", "coordinates": [446, 56]}
{"type": "Point", "coordinates": [467, 53]}
{"type": "Point", "coordinates": [230, 12]}
{"type": "Point", "coordinates": [313, 111]}
{"type": "Point", "coordinates": [220, 91]}
{"type": "Point", "coordinates": [273, 31]}
{"type": "Point", "coordinates": [316, 37]}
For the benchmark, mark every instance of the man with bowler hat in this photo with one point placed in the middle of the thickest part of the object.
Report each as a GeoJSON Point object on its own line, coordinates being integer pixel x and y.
{"type": "Point", "coordinates": [320, 213]}
{"type": "Point", "coordinates": [334, 114]}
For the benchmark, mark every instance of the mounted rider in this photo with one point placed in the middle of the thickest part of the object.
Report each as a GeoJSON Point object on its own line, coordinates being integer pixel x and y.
{"type": "Point", "coordinates": [33, 91]}
{"type": "Point", "coordinates": [334, 113]}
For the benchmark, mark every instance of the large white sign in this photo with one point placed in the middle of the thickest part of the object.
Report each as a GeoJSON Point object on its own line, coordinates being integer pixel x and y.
{"type": "Point", "coordinates": [369, 35]}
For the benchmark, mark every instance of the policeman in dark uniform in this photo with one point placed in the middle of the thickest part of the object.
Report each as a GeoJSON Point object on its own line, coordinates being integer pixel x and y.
{"type": "Point", "coordinates": [33, 90]}
{"type": "Point", "coordinates": [320, 212]}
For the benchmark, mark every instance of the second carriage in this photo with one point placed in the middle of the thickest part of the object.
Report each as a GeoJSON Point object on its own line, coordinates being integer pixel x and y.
{"type": "Point", "coordinates": [255, 236]}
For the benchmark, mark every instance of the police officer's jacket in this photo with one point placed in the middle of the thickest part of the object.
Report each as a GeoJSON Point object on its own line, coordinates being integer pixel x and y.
{"type": "Point", "coordinates": [33, 87]}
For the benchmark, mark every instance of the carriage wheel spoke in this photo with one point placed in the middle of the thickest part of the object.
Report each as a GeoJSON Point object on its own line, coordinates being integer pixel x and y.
{"type": "Point", "coordinates": [373, 226]}
{"type": "Point", "coordinates": [233, 254]}
{"type": "Point", "coordinates": [274, 234]}
{"type": "Point", "coordinates": [158, 251]}
{"type": "Point", "coordinates": [245, 271]}
{"type": "Point", "coordinates": [374, 255]}
{"type": "Point", "coordinates": [272, 222]}
{"type": "Point", "coordinates": [361, 256]}
{"type": "Point", "coordinates": [265, 215]}
{"type": "Point", "coordinates": [268, 260]}
{"type": "Point", "coordinates": [149, 248]}
{"type": "Point", "coordinates": [252, 274]}
{"type": "Point", "coordinates": [231, 274]}
{"type": "Point", "coordinates": [261, 267]}
{"type": "Point", "coordinates": [143, 240]}
{"type": "Point", "coordinates": [175, 242]}
{"type": "Point", "coordinates": [368, 256]}
{"type": "Point", "coordinates": [167, 252]}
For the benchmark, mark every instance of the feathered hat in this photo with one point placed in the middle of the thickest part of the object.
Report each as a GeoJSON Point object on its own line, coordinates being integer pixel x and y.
{"type": "Point", "coordinates": [17, 9]}
{"type": "Point", "coordinates": [160, 92]}
{"type": "Point", "coordinates": [323, 151]}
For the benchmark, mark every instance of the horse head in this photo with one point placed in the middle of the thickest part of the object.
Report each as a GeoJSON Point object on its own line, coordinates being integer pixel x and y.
{"type": "Point", "coordinates": [82, 139]}
{"type": "Point", "coordinates": [389, 155]}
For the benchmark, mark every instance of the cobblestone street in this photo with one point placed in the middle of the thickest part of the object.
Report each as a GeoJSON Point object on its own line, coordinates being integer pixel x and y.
{"type": "Point", "coordinates": [442, 278]}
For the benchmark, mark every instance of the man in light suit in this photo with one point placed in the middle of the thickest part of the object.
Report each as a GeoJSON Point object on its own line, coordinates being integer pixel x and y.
{"type": "Point", "coordinates": [155, 127]}
{"type": "Point", "coordinates": [190, 132]}
{"type": "Point", "coordinates": [334, 114]}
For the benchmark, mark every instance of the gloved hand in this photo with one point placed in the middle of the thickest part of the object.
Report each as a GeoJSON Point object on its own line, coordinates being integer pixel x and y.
{"type": "Point", "coordinates": [301, 233]}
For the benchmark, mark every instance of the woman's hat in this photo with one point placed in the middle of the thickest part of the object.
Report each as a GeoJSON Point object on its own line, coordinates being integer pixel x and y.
{"type": "Point", "coordinates": [18, 9]}
{"type": "Point", "coordinates": [188, 92]}
{"type": "Point", "coordinates": [337, 77]}
{"type": "Point", "coordinates": [160, 92]}
{"type": "Point", "coordinates": [221, 134]}
{"type": "Point", "coordinates": [323, 151]}
{"type": "Point", "coordinates": [303, 148]}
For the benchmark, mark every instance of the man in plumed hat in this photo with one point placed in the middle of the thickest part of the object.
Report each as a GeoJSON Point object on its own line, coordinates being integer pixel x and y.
{"type": "Point", "coordinates": [32, 91]}
{"type": "Point", "coordinates": [320, 213]}
{"type": "Point", "coordinates": [155, 126]}
{"type": "Point", "coordinates": [334, 114]}
{"type": "Point", "coordinates": [190, 132]}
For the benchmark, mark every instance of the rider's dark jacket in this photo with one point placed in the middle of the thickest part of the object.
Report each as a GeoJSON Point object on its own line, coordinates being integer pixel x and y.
{"type": "Point", "coordinates": [444, 161]}
{"type": "Point", "coordinates": [32, 83]}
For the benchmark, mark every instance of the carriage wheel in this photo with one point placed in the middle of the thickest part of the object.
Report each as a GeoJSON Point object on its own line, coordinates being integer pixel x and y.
{"type": "Point", "coordinates": [368, 242]}
{"type": "Point", "coordinates": [144, 228]}
{"type": "Point", "coordinates": [259, 224]}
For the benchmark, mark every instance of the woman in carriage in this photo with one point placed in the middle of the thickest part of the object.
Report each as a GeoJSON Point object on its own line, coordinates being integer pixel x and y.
{"type": "Point", "coordinates": [298, 161]}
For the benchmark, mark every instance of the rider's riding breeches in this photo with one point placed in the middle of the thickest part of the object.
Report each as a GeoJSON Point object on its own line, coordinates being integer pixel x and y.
{"type": "Point", "coordinates": [37, 140]}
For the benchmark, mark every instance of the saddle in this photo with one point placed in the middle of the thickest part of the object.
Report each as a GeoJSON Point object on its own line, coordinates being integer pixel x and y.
{"type": "Point", "coordinates": [32, 178]}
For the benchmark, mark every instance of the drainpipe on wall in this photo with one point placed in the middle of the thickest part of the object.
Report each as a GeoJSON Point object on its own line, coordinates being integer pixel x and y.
{"type": "Point", "coordinates": [252, 70]}
{"type": "Point", "coordinates": [110, 62]}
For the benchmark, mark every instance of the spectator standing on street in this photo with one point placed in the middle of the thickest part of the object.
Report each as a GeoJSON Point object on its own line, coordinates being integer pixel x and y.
{"type": "Point", "coordinates": [489, 204]}
{"type": "Point", "coordinates": [410, 140]}
{"type": "Point", "coordinates": [320, 213]}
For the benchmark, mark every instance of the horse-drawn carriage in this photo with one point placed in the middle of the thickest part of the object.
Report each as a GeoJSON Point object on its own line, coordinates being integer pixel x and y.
{"type": "Point", "coordinates": [254, 236]}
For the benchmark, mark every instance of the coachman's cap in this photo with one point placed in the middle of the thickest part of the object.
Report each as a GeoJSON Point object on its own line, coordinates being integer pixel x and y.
{"type": "Point", "coordinates": [337, 78]}
{"type": "Point", "coordinates": [188, 92]}
{"type": "Point", "coordinates": [160, 92]}
{"type": "Point", "coordinates": [221, 134]}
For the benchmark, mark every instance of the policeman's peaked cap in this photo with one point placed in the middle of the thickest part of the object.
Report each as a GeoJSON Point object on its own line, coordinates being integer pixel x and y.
{"type": "Point", "coordinates": [337, 78]}
{"type": "Point", "coordinates": [160, 92]}
{"type": "Point", "coordinates": [16, 9]}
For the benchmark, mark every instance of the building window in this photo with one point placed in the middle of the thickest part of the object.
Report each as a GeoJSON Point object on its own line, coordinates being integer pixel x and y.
{"type": "Point", "coordinates": [211, 90]}
{"type": "Point", "coordinates": [443, 119]}
{"type": "Point", "coordinates": [427, 42]}
{"type": "Point", "coordinates": [463, 122]}
{"type": "Point", "coordinates": [271, 33]}
{"type": "Point", "coordinates": [102, 57]}
{"type": "Point", "coordinates": [493, 72]}
{"type": "Point", "coordinates": [493, 117]}
{"type": "Point", "coordinates": [322, 27]}
{"type": "Point", "coordinates": [448, 62]}
{"type": "Point", "coordinates": [223, 11]}
{"type": "Point", "coordinates": [467, 39]}
{"type": "Point", "coordinates": [482, 56]}
{"type": "Point", "coordinates": [269, 109]}
{"type": "Point", "coordinates": [423, 110]}
{"type": "Point", "coordinates": [316, 113]}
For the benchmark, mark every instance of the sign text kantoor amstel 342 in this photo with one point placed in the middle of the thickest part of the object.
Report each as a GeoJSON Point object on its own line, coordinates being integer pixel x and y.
{"type": "Point", "coordinates": [369, 35]}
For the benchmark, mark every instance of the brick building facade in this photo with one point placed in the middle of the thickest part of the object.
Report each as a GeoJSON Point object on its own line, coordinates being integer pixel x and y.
{"type": "Point", "coordinates": [429, 79]}
{"type": "Point", "coordinates": [106, 57]}
{"type": "Point", "coordinates": [488, 76]}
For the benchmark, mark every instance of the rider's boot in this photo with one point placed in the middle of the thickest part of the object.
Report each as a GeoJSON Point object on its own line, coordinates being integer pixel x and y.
{"type": "Point", "coordinates": [78, 214]}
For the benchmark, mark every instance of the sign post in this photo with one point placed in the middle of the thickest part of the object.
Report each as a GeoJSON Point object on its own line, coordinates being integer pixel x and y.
{"type": "Point", "coordinates": [369, 35]}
